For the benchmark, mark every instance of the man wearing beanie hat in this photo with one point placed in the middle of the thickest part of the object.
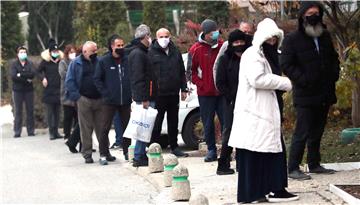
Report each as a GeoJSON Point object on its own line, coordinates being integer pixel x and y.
{"type": "Point", "coordinates": [203, 54]}
{"type": "Point", "coordinates": [51, 80]}
{"type": "Point", "coordinates": [309, 59]}
{"type": "Point", "coordinates": [227, 78]}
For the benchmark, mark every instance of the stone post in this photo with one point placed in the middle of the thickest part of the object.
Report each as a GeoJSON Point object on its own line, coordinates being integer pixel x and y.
{"type": "Point", "coordinates": [180, 190]}
{"type": "Point", "coordinates": [199, 200]}
{"type": "Point", "coordinates": [131, 152]}
{"type": "Point", "coordinates": [156, 161]}
{"type": "Point", "coordinates": [170, 162]}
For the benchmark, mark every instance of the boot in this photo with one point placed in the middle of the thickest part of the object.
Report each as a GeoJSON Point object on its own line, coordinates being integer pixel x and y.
{"type": "Point", "coordinates": [224, 167]}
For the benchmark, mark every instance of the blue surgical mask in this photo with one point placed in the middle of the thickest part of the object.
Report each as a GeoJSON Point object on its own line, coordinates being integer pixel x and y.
{"type": "Point", "coordinates": [55, 55]}
{"type": "Point", "coordinates": [215, 35]}
{"type": "Point", "coordinates": [22, 56]}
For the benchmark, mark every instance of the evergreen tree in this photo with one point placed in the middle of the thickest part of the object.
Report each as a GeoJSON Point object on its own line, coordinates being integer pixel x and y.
{"type": "Point", "coordinates": [215, 10]}
{"type": "Point", "coordinates": [97, 21]}
{"type": "Point", "coordinates": [154, 14]}
{"type": "Point", "coordinates": [11, 36]}
{"type": "Point", "coordinates": [49, 19]}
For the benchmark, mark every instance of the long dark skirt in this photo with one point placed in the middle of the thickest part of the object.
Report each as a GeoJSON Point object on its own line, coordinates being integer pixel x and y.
{"type": "Point", "coordinates": [260, 173]}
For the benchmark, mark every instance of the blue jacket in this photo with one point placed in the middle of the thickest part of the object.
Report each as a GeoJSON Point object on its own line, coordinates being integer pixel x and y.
{"type": "Point", "coordinates": [113, 81]}
{"type": "Point", "coordinates": [73, 79]}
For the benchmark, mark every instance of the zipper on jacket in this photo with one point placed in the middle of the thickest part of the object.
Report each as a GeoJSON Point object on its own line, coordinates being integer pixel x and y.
{"type": "Point", "coordinates": [150, 88]}
{"type": "Point", "coordinates": [121, 87]}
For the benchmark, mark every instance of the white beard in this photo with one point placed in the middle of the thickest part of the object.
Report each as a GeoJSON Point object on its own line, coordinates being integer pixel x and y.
{"type": "Point", "coordinates": [313, 31]}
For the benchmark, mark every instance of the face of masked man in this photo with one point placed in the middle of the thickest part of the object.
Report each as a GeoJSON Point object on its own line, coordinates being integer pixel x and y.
{"type": "Point", "coordinates": [313, 22]}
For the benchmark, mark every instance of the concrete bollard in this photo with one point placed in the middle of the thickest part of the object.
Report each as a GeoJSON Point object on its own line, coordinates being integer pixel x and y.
{"type": "Point", "coordinates": [199, 200]}
{"type": "Point", "coordinates": [131, 152]}
{"type": "Point", "coordinates": [180, 190]}
{"type": "Point", "coordinates": [170, 162]}
{"type": "Point", "coordinates": [156, 161]}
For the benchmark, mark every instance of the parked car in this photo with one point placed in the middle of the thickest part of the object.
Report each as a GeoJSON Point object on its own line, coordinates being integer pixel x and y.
{"type": "Point", "coordinates": [189, 126]}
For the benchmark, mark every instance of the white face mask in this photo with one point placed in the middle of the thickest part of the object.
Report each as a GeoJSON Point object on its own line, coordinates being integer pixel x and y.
{"type": "Point", "coordinates": [72, 56]}
{"type": "Point", "coordinates": [163, 42]}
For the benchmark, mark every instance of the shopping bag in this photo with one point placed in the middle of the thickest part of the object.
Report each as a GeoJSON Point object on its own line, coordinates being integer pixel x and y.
{"type": "Point", "coordinates": [131, 128]}
{"type": "Point", "coordinates": [146, 124]}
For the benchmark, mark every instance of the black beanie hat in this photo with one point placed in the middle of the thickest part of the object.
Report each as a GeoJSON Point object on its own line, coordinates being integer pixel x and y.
{"type": "Point", "coordinates": [208, 25]}
{"type": "Point", "coordinates": [52, 45]}
{"type": "Point", "coordinates": [237, 35]}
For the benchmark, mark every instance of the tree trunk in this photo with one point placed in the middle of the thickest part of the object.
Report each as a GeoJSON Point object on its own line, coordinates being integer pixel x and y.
{"type": "Point", "coordinates": [355, 112]}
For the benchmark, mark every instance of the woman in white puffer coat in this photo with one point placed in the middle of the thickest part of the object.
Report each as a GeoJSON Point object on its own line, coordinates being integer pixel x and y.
{"type": "Point", "coordinates": [256, 130]}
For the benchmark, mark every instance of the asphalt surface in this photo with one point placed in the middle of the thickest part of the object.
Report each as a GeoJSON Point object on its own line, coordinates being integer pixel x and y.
{"type": "Point", "coordinates": [37, 170]}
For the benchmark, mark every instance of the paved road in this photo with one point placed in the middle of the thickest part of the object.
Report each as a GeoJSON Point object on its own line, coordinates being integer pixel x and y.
{"type": "Point", "coordinates": [37, 170]}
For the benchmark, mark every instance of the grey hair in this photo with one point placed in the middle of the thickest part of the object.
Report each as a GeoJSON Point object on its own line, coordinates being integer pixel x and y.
{"type": "Point", "coordinates": [88, 44]}
{"type": "Point", "coordinates": [141, 31]}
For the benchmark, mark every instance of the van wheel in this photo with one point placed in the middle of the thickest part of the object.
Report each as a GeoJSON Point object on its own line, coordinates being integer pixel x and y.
{"type": "Point", "coordinates": [193, 131]}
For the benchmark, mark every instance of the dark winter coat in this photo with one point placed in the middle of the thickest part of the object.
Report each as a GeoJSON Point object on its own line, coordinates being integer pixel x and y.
{"type": "Point", "coordinates": [63, 67]}
{"type": "Point", "coordinates": [50, 70]}
{"type": "Point", "coordinates": [142, 75]}
{"type": "Point", "coordinates": [227, 76]}
{"type": "Point", "coordinates": [113, 80]}
{"type": "Point", "coordinates": [74, 77]}
{"type": "Point", "coordinates": [22, 76]}
{"type": "Point", "coordinates": [312, 73]}
{"type": "Point", "coordinates": [168, 68]}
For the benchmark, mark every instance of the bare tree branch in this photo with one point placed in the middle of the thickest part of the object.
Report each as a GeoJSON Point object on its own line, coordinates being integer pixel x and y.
{"type": "Point", "coordinates": [40, 41]}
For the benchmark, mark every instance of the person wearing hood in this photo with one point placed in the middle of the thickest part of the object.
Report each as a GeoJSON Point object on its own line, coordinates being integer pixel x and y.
{"type": "Point", "coordinates": [80, 88]}
{"type": "Point", "coordinates": [49, 74]}
{"type": "Point", "coordinates": [203, 54]}
{"type": "Point", "coordinates": [143, 84]}
{"type": "Point", "coordinates": [309, 59]}
{"type": "Point", "coordinates": [22, 73]}
{"type": "Point", "coordinates": [112, 79]}
{"type": "Point", "coordinates": [168, 67]}
{"type": "Point", "coordinates": [256, 131]}
{"type": "Point", "coordinates": [227, 78]}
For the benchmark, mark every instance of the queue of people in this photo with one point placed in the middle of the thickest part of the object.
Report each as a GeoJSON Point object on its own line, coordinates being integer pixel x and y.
{"type": "Point", "coordinates": [239, 80]}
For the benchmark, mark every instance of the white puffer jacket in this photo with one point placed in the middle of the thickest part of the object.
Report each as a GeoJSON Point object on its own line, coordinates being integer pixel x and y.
{"type": "Point", "coordinates": [257, 123]}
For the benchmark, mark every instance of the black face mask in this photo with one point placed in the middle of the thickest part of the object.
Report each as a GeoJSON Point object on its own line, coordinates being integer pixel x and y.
{"type": "Point", "coordinates": [313, 19]}
{"type": "Point", "coordinates": [119, 51]}
{"type": "Point", "coordinates": [93, 56]}
{"type": "Point", "coordinates": [240, 48]}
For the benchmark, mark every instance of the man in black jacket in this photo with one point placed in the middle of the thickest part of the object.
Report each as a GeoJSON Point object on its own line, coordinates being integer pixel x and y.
{"type": "Point", "coordinates": [22, 73]}
{"type": "Point", "coordinates": [309, 59]}
{"type": "Point", "coordinates": [227, 80]}
{"type": "Point", "coordinates": [169, 70]}
{"type": "Point", "coordinates": [112, 79]}
{"type": "Point", "coordinates": [143, 87]}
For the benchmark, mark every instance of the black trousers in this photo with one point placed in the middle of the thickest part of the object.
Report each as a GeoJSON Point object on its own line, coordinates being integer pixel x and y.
{"type": "Point", "coordinates": [70, 118]}
{"type": "Point", "coordinates": [170, 105]}
{"type": "Point", "coordinates": [74, 138]}
{"type": "Point", "coordinates": [310, 124]}
{"type": "Point", "coordinates": [225, 155]}
{"type": "Point", "coordinates": [53, 115]}
{"type": "Point", "coordinates": [108, 112]}
{"type": "Point", "coordinates": [21, 97]}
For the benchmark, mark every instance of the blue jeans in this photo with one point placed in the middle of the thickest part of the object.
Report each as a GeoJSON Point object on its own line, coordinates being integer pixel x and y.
{"type": "Point", "coordinates": [208, 106]}
{"type": "Point", "coordinates": [140, 147]}
{"type": "Point", "coordinates": [118, 129]}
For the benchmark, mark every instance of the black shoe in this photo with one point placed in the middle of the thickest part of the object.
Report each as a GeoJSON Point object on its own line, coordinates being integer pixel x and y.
{"type": "Point", "coordinates": [89, 160]}
{"type": "Point", "coordinates": [321, 170]}
{"type": "Point", "coordinates": [177, 152]}
{"type": "Point", "coordinates": [31, 134]}
{"type": "Point", "coordinates": [225, 171]}
{"type": "Point", "coordinates": [299, 175]}
{"type": "Point", "coordinates": [110, 158]}
{"type": "Point", "coordinates": [126, 156]}
{"type": "Point", "coordinates": [71, 148]}
{"type": "Point", "coordinates": [17, 136]}
{"type": "Point", "coordinates": [54, 137]}
{"type": "Point", "coordinates": [140, 163]}
{"type": "Point", "coordinates": [93, 150]}
{"type": "Point", "coordinates": [115, 146]}
{"type": "Point", "coordinates": [282, 196]}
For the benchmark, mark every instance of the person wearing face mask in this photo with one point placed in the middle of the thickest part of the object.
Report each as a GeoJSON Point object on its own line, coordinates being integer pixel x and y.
{"type": "Point", "coordinates": [248, 29]}
{"type": "Point", "coordinates": [309, 59]}
{"type": "Point", "coordinates": [49, 74]}
{"type": "Point", "coordinates": [80, 88]}
{"type": "Point", "coordinates": [22, 72]}
{"type": "Point", "coordinates": [143, 82]}
{"type": "Point", "coordinates": [203, 54]}
{"type": "Point", "coordinates": [112, 79]}
{"type": "Point", "coordinates": [168, 67]}
{"type": "Point", "coordinates": [227, 82]}
{"type": "Point", "coordinates": [256, 131]}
